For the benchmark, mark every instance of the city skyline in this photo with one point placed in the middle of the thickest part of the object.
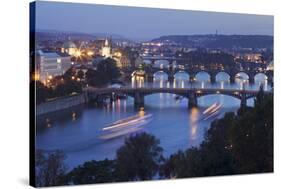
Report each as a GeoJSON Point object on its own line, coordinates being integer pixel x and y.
{"type": "Point", "coordinates": [123, 94]}
{"type": "Point", "coordinates": [148, 23]}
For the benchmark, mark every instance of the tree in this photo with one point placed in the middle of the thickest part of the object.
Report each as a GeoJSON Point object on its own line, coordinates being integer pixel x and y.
{"type": "Point", "coordinates": [80, 74]}
{"type": "Point", "coordinates": [68, 87]}
{"type": "Point", "coordinates": [212, 157]}
{"type": "Point", "coordinates": [67, 76]}
{"type": "Point", "coordinates": [216, 149]}
{"type": "Point", "coordinates": [42, 92]}
{"type": "Point", "coordinates": [253, 137]}
{"type": "Point", "coordinates": [183, 164]}
{"type": "Point", "coordinates": [138, 159]}
{"type": "Point", "coordinates": [49, 168]}
{"type": "Point", "coordinates": [109, 68]}
{"type": "Point", "coordinates": [96, 78]}
{"type": "Point", "coordinates": [93, 172]}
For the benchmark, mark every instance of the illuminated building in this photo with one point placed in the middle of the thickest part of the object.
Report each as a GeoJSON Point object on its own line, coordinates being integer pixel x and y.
{"type": "Point", "coordinates": [51, 64]}
{"type": "Point", "coordinates": [106, 49]}
{"type": "Point", "coordinates": [70, 48]}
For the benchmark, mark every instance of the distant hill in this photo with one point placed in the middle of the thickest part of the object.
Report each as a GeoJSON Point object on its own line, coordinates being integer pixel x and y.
{"type": "Point", "coordinates": [50, 34]}
{"type": "Point", "coordinates": [220, 41]}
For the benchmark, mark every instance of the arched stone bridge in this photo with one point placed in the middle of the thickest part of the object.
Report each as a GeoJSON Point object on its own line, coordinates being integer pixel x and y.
{"type": "Point", "coordinates": [192, 94]}
{"type": "Point", "coordinates": [250, 70]}
{"type": "Point", "coordinates": [212, 73]}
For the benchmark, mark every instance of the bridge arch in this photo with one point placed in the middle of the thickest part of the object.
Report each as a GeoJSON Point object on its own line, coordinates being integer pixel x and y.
{"type": "Point", "coordinates": [181, 75]}
{"type": "Point", "coordinates": [242, 76]}
{"type": "Point", "coordinates": [202, 76]}
{"type": "Point", "coordinates": [222, 76]}
{"type": "Point", "coordinates": [210, 99]}
{"type": "Point", "coordinates": [261, 77]}
{"type": "Point", "coordinates": [160, 75]}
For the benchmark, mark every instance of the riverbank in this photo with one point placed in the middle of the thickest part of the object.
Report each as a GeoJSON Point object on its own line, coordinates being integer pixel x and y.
{"type": "Point", "coordinates": [61, 103]}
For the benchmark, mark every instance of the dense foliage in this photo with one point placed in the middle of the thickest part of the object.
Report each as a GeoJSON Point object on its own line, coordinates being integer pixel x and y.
{"type": "Point", "coordinates": [106, 72]}
{"type": "Point", "coordinates": [49, 168]}
{"type": "Point", "coordinates": [93, 172]}
{"type": "Point", "coordinates": [139, 158]}
{"type": "Point", "coordinates": [208, 60]}
{"type": "Point", "coordinates": [59, 86]}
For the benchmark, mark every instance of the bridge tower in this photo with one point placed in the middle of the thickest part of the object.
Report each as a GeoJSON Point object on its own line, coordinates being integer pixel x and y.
{"type": "Point", "coordinates": [192, 100]}
{"type": "Point", "coordinates": [138, 100]}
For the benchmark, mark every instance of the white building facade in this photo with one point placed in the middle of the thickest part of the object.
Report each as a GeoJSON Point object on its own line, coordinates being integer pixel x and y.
{"type": "Point", "coordinates": [51, 64]}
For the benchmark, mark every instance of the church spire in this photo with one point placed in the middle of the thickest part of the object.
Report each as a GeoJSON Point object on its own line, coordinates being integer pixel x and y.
{"type": "Point", "coordinates": [106, 43]}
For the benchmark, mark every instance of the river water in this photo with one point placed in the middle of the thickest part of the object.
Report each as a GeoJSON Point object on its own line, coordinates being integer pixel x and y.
{"type": "Point", "coordinates": [77, 131]}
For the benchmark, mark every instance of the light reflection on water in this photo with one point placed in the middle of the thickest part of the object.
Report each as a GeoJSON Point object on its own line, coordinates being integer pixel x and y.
{"type": "Point", "coordinates": [194, 117]}
{"type": "Point", "coordinates": [76, 131]}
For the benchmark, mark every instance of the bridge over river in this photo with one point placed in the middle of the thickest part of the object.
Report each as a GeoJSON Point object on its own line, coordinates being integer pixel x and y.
{"type": "Point", "coordinates": [190, 93]}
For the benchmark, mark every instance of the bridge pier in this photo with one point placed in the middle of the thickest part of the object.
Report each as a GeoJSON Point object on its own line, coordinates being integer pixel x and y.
{"type": "Point", "coordinates": [192, 100]}
{"type": "Point", "coordinates": [270, 79]}
{"type": "Point", "coordinates": [243, 103]}
{"type": "Point", "coordinates": [170, 77]}
{"type": "Point", "coordinates": [138, 100]}
{"type": "Point", "coordinates": [191, 77]}
{"type": "Point", "coordinates": [213, 78]}
{"type": "Point", "coordinates": [251, 78]}
{"type": "Point", "coordinates": [232, 78]}
{"type": "Point", "coordinates": [149, 77]}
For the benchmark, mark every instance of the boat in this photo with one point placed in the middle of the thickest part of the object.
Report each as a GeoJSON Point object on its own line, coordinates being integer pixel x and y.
{"type": "Point", "coordinates": [214, 114]}
{"type": "Point", "coordinates": [210, 108]}
{"type": "Point", "coordinates": [125, 126]}
{"type": "Point", "coordinates": [112, 135]}
{"type": "Point", "coordinates": [212, 111]}
{"type": "Point", "coordinates": [127, 121]}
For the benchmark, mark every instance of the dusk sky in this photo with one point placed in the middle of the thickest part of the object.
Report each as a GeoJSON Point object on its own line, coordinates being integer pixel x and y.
{"type": "Point", "coordinates": [145, 23]}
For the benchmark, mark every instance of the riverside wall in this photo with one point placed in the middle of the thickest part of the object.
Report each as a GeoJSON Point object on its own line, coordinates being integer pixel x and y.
{"type": "Point", "coordinates": [61, 103]}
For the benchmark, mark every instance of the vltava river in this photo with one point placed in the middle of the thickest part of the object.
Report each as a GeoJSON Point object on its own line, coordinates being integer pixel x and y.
{"type": "Point", "coordinates": [77, 131]}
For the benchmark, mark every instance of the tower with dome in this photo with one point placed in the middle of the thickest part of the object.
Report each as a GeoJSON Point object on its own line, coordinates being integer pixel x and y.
{"type": "Point", "coordinates": [69, 47]}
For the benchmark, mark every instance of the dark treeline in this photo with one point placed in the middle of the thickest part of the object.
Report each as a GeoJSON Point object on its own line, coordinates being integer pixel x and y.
{"type": "Point", "coordinates": [221, 41]}
{"type": "Point", "coordinates": [106, 72]}
{"type": "Point", "coordinates": [73, 80]}
{"type": "Point", "coordinates": [208, 60]}
{"type": "Point", "coordinates": [239, 143]}
{"type": "Point", "coordinates": [59, 86]}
